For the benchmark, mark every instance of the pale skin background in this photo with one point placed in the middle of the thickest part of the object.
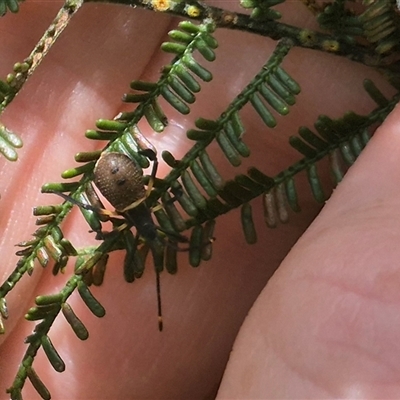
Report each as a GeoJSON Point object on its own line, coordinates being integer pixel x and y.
{"type": "Point", "coordinates": [327, 324]}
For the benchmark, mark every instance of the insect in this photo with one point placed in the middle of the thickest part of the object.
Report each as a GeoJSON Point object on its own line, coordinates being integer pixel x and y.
{"type": "Point", "coordinates": [120, 181]}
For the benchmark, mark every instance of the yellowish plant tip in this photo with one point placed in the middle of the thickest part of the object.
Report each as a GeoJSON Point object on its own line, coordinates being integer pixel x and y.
{"type": "Point", "coordinates": [161, 5]}
{"type": "Point", "coordinates": [307, 37]}
{"type": "Point", "coordinates": [10, 79]}
{"type": "Point", "coordinates": [193, 11]}
{"type": "Point", "coordinates": [229, 18]}
{"type": "Point", "coordinates": [330, 45]}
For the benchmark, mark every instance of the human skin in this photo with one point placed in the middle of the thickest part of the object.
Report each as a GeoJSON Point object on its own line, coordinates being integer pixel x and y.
{"type": "Point", "coordinates": [326, 324]}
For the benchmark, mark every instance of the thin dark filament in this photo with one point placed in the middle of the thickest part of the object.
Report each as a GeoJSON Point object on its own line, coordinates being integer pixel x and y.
{"type": "Point", "coordinates": [159, 311]}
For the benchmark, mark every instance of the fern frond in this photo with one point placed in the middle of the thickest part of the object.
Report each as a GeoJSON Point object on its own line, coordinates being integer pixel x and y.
{"type": "Point", "coordinates": [11, 86]}
{"type": "Point", "coordinates": [178, 83]}
{"type": "Point", "coordinates": [9, 141]}
{"type": "Point", "coordinates": [194, 193]}
{"type": "Point", "coordinates": [342, 140]}
{"type": "Point", "coordinates": [313, 6]}
{"type": "Point", "coordinates": [337, 18]}
{"type": "Point", "coordinates": [9, 5]}
{"type": "Point", "coordinates": [22, 70]}
{"type": "Point", "coordinates": [133, 262]}
{"type": "Point", "coordinates": [48, 243]}
{"type": "Point", "coordinates": [196, 170]}
{"type": "Point", "coordinates": [261, 9]}
{"type": "Point", "coordinates": [5, 90]}
{"type": "Point", "coordinates": [249, 230]}
{"type": "Point", "coordinates": [381, 26]}
{"type": "Point", "coordinates": [3, 314]}
{"type": "Point", "coordinates": [46, 310]}
{"type": "Point", "coordinates": [228, 129]}
{"type": "Point", "coordinates": [376, 95]}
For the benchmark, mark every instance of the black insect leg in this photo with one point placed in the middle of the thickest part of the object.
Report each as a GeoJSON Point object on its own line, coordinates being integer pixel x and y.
{"type": "Point", "coordinates": [151, 155]}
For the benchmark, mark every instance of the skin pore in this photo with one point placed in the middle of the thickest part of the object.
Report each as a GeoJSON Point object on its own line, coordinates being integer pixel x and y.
{"type": "Point", "coordinates": [325, 326]}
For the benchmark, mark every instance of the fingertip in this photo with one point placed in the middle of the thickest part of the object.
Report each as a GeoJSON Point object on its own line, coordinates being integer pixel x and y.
{"type": "Point", "coordinates": [325, 324]}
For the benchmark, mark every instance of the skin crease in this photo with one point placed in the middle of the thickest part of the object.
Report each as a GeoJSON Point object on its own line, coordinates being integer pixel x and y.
{"type": "Point", "coordinates": [326, 325]}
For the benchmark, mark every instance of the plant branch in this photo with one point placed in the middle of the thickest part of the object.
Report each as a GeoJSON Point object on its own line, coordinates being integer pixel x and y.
{"type": "Point", "coordinates": [22, 71]}
{"type": "Point", "coordinates": [305, 38]}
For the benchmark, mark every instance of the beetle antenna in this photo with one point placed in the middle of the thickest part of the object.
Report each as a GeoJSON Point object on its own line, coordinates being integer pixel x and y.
{"type": "Point", "coordinates": [159, 311]}
{"type": "Point", "coordinates": [73, 201]}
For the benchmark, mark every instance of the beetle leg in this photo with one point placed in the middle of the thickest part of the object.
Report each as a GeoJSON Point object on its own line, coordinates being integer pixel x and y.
{"type": "Point", "coordinates": [151, 155]}
{"type": "Point", "coordinates": [101, 235]}
{"type": "Point", "coordinates": [94, 200]}
{"type": "Point", "coordinates": [140, 139]}
{"type": "Point", "coordinates": [108, 213]}
{"type": "Point", "coordinates": [120, 227]}
{"type": "Point", "coordinates": [133, 205]}
{"type": "Point", "coordinates": [174, 235]}
{"type": "Point", "coordinates": [101, 211]}
{"type": "Point", "coordinates": [177, 194]}
{"type": "Point", "coordinates": [157, 208]}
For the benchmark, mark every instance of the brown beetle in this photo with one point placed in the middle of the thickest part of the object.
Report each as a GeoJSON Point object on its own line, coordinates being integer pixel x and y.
{"type": "Point", "coordinates": [120, 181]}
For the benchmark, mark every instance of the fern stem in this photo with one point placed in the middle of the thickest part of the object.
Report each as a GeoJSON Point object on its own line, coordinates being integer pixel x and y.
{"type": "Point", "coordinates": [17, 80]}
{"type": "Point", "coordinates": [35, 340]}
{"type": "Point", "coordinates": [275, 30]}
{"type": "Point", "coordinates": [274, 61]}
{"type": "Point", "coordinates": [41, 330]}
{"type": "Point", "coordinates": [26, 263]}
{"type": "Point", "coordinates": [304, 164]}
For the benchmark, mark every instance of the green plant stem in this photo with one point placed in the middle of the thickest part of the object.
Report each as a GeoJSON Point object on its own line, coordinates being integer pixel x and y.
{"type": "Point", "coordinates": [275, 30]}
{"type": "Point", "coordinates": [375, 116]}
{"type": "Point", "coordinates": [42, 329]}
{"type": "Point", "coordinates": [60, 22]}
{"type": "Point", "coordinates": [280, 52]}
